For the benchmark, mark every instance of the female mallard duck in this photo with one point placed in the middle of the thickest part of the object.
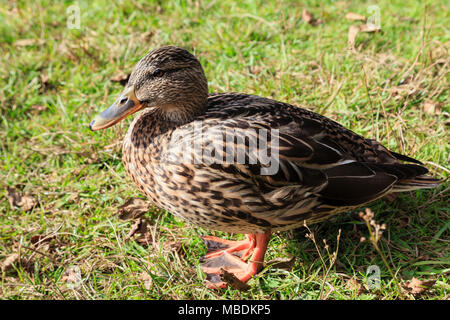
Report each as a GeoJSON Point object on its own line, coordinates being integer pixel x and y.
{"type": "Point", "coordinates": [241, 163]}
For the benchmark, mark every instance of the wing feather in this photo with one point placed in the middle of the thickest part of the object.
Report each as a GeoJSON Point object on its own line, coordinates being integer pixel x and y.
{"type": "Point", "coordinates": [314, 155]}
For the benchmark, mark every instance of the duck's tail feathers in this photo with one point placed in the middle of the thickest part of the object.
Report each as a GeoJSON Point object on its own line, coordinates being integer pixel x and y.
{"type": "Point", "coordinates": [419, 182]}
{"type": "Point", "coordinates": [409, 177]}
{"type": "Point", "coordinates": [402, 157]}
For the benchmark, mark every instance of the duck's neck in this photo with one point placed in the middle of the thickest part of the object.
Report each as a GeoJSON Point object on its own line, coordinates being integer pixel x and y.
{"type": "Point", "coordinates": [183, 111]}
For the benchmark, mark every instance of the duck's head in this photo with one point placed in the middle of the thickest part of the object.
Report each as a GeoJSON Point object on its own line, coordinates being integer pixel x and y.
{"type": "Point", "coordinates": [169, 79]}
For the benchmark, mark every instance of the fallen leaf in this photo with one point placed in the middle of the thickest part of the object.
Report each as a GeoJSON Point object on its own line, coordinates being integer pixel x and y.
{"type": "Point", "coordinates": [45, 83]}
{"type": "Point", "coordinates": [146, 279]}
{"type": "Point", "coordinates": [8, 262]}
{"type": "Point", "coordinates": [37, 108]}
{"type": "Point", "coordinates": [25, 202]}
{"type": "Point", "coordinates": [255, 69]}
{"type": "Point", "coordinates": [404, 221]}
{"type": "Point", "coordinates": [309, 18]}
{"type": "Point", "coordinates": [174, 246]}
{"type": "Point", "coordinates": [286, 264]}
{"type": "Point", "coordinates": [13, 11]}
{"type": "Point", "coordinates": [121, 77]}
{"type": "Point", "coordinates": [418, 287]}
{"type": "Point", "coordinates": [140, 227]}
{"type": "Point", "coordinates": [72, 276]}
{"type": "Point", "coordinates": [44, 78]}
{"type": "Point", "coordinates": [355, 286]}
{"type": "Point", "coordinates": [40, 238]}
{"type": "Point", "coordinates": [355, 29]}
{"type": "Point", "coordinates": [407, 19]}
{"type": "Point", "coordinates": [145, 239]}
{"type": "Point", "coordinates": [431, 107]}
{"type": "Point", "coordinates": [355, 16]}
{"type": "Point", "coordinates": [369, 28]}
{"type": "Point", "coordinates": [146, 36]}
{"type": "Point", "coordinates": [133, 208]}
{"type": "Point", "coordinates": [405, 81]}
{"type": "Point", "coordinates": [74, 196]}
{"type": "Point", "coordinates": [233, 281]}
{"type": "Point", "coordinates": [391, 197]}
{"type": "Point", "coordinates": [405, 90]}
{"type": "Point", "coordinates": [64, 49]}
{"type": "Point", "coordinates": [352, 33]}
{"type": "Point", "coordinates": [28, 42]}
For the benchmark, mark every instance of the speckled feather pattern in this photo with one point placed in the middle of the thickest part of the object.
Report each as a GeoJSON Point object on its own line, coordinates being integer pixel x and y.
{"type": "Point", "coordinates": [324, 168]}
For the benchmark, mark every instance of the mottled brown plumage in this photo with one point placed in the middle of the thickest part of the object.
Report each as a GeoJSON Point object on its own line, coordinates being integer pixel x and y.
{"type": "Point", "coordinates": [174, 152]}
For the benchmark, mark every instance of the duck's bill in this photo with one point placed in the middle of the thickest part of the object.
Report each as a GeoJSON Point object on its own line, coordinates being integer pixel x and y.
{"type": "Point", "coordinates": [125, 105]}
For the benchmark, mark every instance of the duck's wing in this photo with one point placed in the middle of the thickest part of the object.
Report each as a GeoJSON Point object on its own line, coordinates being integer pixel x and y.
{"type": "Point", "coordinates": [311, 154]}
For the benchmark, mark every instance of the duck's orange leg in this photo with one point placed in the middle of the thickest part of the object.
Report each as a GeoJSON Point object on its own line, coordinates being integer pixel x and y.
{"type": "Point", "coordinates": [231, 255]}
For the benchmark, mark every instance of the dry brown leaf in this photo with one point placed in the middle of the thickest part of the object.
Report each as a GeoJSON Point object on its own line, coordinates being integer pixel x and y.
{"type": "Point", "coordinates": [405, 80]}
{"type": "Point", "coordinates": [64, 49]}
{"type": "Point", "coordinates": [145, 239]}
{"type": "Point", "coordinates": [233, 281]}
{"type": "Point", "coordinates": [44, 78]}
{"type": "Point", "coordinates": [255, 69]}
{"type": "Point", "coordinates": [138, 226]}
{"type": "Point", "coordinates": [45, 82]}
{"type": "Point", "coordinates": [309, 18]}
{"type": "Point", "coordinates": [8, 262]}
{"type": "Point", "coordinates": [36, 108]}
{"type": "Point", "coordinates": [405, 90]}
{"type": "Point", "coordinates": [355, 16]}
{"type": "Point", "coordinates": [146, 279]}
{"type": "Point", "coordinates": [352, 33]}
{"type": "Point", "coordinates": [74, 196]}
{"type": "Point", "coordinates": [391, 197]}
{"type": "Point", "coordinates": [28, 42]}
{"type": "Point", "coordinates": [354, 285]}
{"type": "Point", "coordinates": [25, 264]}
{"type": "Point", "coordinates": [431, 107]}
{"type": "Point", "coordinates": [355, 29]}
{"type": "Point", "coordinates": [174, 246]}
{"type": "Point", "coordinates": [146, 36]}
{"type": "Point", "coordinates": [406, 19]}
{"type": "Point", "coordinates": [417, 287]}
{"type": "Point", "coordinates": [404, 221]}
{"type": "Point", "coordinates": [133, 208]}
{"type": "Point", "coordinates": [72, 276]}
{"type": "Point", "coordinates": [369, 28]}
{"type": "Point", "coordinates": [286, 264]}
{"type": "Point", "coordinates": [25, 202]}
{"type": "Point", "coordinates": [121, 77]}
{"type": "Point", "coordinates": [39, 239]}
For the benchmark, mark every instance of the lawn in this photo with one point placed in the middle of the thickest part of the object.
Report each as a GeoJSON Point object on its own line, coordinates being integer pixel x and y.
{"type": "Point", "coordinates": [64, 232]}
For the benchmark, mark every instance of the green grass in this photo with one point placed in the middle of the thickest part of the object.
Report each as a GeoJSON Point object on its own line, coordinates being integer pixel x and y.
{"type": "Point", "coordinates": [262, 48]}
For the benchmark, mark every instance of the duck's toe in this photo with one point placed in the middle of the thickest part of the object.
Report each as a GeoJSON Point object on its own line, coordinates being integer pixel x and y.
{"type": "Point", "coordinates": [217, 247]}
{"type": "Point", "coordinates": [225, 259]}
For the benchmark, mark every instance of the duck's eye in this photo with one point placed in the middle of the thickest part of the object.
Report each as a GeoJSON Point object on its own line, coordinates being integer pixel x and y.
{"type": "Point", "coordinates": [157, 73]}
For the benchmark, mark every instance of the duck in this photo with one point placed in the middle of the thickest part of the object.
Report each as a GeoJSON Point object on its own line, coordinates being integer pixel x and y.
{"type": "Point", "coordinates": [241, 163]}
